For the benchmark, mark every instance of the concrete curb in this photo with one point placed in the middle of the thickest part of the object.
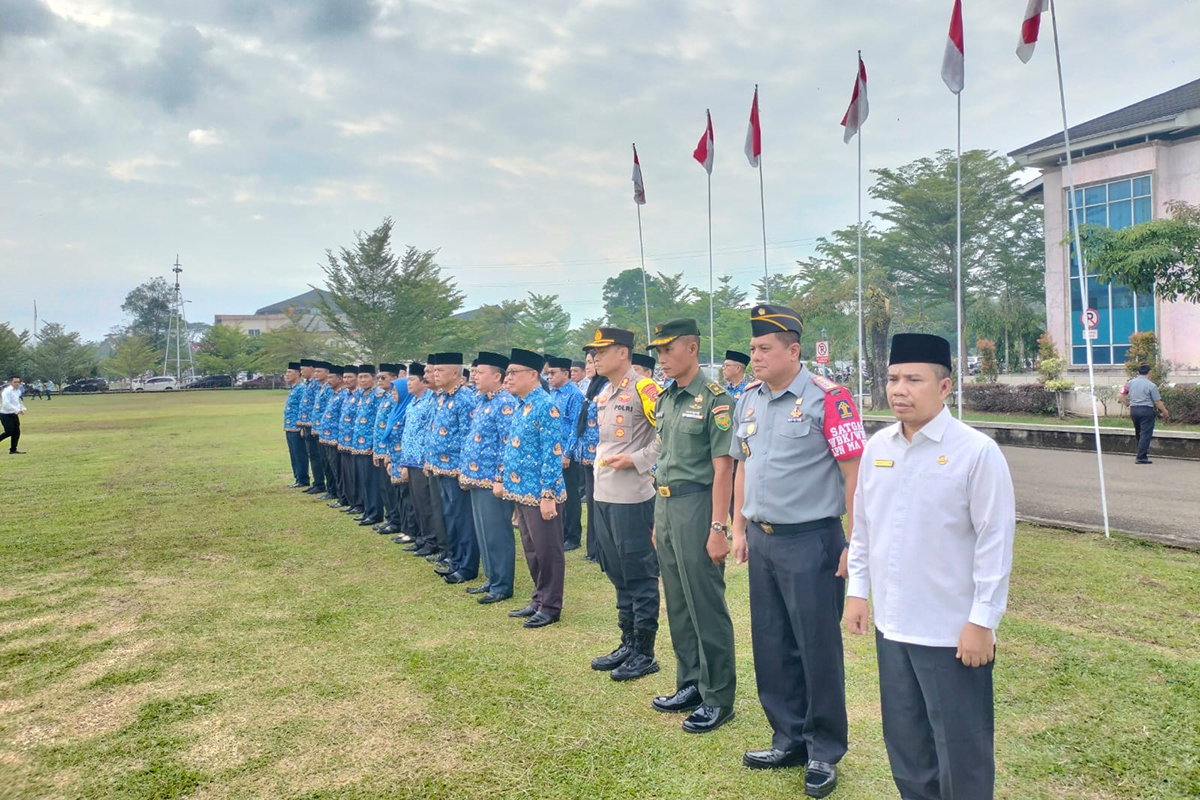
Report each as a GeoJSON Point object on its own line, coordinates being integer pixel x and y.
{"type": "Point", "coordinates": [1165, 539]}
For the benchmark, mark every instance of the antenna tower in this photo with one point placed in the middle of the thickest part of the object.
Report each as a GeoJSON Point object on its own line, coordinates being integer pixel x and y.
{"type": "Point", "coordinates": [179, 338]}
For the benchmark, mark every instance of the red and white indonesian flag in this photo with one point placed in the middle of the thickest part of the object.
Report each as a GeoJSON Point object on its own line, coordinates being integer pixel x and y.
{"type": "Point", "coordinates": [639, 189]}
{"type": "Point", "coordinates": [1029, 28]}
{"type": "Point", "coordinates": [754, 134]}
{"type": "Point", "coordinates": [704, 150]}
{"type": "Point", "coordinates": [952, 61]}
{"type": "Point", "coordinates": [856, 114]}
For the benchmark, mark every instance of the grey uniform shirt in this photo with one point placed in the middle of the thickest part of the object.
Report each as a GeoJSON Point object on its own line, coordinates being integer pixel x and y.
{"type": "Point", "coordinates": [790, 443]}
{"type": "Point", "coordinates": [1142, 392]}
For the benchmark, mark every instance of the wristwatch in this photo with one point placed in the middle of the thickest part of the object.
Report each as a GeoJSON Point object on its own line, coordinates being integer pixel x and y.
{"type": "Point", "coordinates": [719, 527]}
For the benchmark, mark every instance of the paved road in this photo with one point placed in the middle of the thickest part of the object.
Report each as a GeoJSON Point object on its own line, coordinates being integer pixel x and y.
{"type": "Point", "coordinates": [1159, 502]}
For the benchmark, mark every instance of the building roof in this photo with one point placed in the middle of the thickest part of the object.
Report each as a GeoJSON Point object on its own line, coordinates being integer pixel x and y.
{"type": "Point", "coordinates": [300, 303]}
{"type": "Point", "coordinates": [1173, 111]}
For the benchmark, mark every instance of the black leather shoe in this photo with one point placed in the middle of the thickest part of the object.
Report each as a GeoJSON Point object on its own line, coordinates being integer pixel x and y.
{"type": "Point", "coordinates": [435, 557]}
{"type": "Point", "coordinates": [569, 546]}
{"type": "Point", "coordinates": [411, 547]}
{"type": "Point", "coordinates": [774, 759]}
{"type": "Point", "coordinates": [685, 699]}
{"type": "Point", "coordinates": [614, 659]}
{"type": "Point", "coordinates": [820, 779]}
{"type": "Point", "coordinates": [389, 527]}
{"type": "Point", "coordinates": [336, 504]}
{"type": "Point", "coordinates": [527, 611]}
{"type": "Point", "coordinates": [1143, 461]}
{"type": "Point", "coordinates": [313, 490]}
{"type": "Point", "coordinates": [290, 485]}
{"type": "Point", "coordinates": [356, 510]}
{"type": "Point", "coordinates": [377, 526]}
{"type": "Point", "coordinates": [425, 550]}
{"type": "Point", "coordinates": [477, 590]}
{"type": "Point", "coordinates": [455, 577]}
{"type": "Point", "coordinates": [443, 569]}
{"type": "Point", "coordinates": [491, 597]}
{"type": "Point", "coordinates": [638, 665]}
{"type": "Point", "coordinates": [368, 521]}
{"type": "Point", "coordinates": [540, 620]}
{"type": "Point", "coordinates": [707, 718]}
{"type": "Point", "coordinates": [327, 496]}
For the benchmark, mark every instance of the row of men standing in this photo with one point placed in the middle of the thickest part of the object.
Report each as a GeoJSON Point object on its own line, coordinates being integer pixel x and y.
{"type": "Point", "coordinates": [662, 475]}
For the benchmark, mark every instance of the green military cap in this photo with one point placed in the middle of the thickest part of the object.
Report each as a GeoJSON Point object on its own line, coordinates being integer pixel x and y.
{"type": "Point", "coordinates": [670, 331]}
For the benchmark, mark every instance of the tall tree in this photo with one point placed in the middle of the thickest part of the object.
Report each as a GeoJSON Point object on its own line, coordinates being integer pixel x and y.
{"type": "Point", "coordinates": [543, 325]}
{"type": "Point", "coordinates": [225, 350]}
{"type": "Point", "coordinates": [784, 288]}
{"type": "Point", "coordinates": [61, 355]}
{"type": "Point", "coordinates": [294, 341]}
{"type": "Point", "coordinates": [149, 308]}
{"type": "Point", "coordinates": [585, 333]}
{"type": "Point", "coordinates": [496, 325]}
{"type": "Point", "coordinates": [919, 248]}
{"type": "Point", "coordinates": [1160, 256]}
{"type": "Point", "coordinates": [131, 356]}
{"type": "Point", "coordinates": [425, 301]}
{"type": "Point", "coordinates": [13, 356]}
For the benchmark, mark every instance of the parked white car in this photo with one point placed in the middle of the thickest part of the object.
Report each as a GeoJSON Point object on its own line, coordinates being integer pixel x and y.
{"type": "Point", "coordinates": [162, 383]}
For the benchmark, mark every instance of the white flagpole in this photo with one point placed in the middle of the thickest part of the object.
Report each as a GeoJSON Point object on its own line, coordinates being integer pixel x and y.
{"type": "Point", "coordinates": [859, 366]}
{"type": "Point", "coordinates": [1083, 287]}
{"type": "Point", "coordinates": [642, 254]}
{"type": "Point", "coordinates": [712, 332]}
{"type": "Point", "coordinates": [762, 206]}
{"type": "Point", "coordinates": [958, 305]}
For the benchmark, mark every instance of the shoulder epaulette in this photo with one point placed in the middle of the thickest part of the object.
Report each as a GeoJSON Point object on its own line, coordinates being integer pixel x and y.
{"type": "Point", "coordinates": [752, 385]}
{"type": "Point", "coordinates": [826, 384]}
{"type": "Point", "coordinates": [715, 389]}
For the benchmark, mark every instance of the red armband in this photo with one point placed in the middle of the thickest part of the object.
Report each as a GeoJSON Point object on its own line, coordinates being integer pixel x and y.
{"type": "Point", "coordinates": [843, 426]}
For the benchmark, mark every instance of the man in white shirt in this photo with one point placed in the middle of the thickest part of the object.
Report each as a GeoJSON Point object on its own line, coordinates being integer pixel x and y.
{"type": "Point", "coordinates": [934, 517]}
{"type": "Point", "coordinates": [11, 409]}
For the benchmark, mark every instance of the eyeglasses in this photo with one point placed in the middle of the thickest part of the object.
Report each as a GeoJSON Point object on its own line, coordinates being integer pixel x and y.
{"type": "Point", "coordinates": [517, 370]}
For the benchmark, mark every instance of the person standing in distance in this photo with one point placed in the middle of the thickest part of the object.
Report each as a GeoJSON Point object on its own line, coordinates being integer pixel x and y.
{"type": "Point", "coordinates": [643, 365]}
{"type": "Point", "coordinates": [11, 409]}
{"type": "Point", "coordinates": [291, 425]}
{"type": "Point", "coordinates": [624, 502]}
{"type": "Point", "coordinates": [530, 475]}
{"type": "Point", "coordinates": [317, 392]}
{"type": "Point", "coordinates": [934, 519]}
{"type": "Point", "coordinates": [1144, 398]}
{"type": "Point", "coordinates": [569, 400]}
{"type": "Point", "coordinates": [695, 481]}
{"type": "Point", "coordinates": [734, 373]}
{"type": "Point", "coordinates": [799, 438]}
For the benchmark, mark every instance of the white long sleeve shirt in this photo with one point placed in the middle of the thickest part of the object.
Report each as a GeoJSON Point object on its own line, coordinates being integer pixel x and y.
{"type": "Point", "coordinates": [10, 401]}
{"type": "Point", "coordinates": [934, 521]}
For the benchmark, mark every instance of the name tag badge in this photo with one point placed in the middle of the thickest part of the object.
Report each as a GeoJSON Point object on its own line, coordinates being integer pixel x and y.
{"type": "Point", "coordinates": [879, 462]}
{"type": "Point", "coordinates": [745, 449]}
{"type": "Point", "coordinates": [693, 415]}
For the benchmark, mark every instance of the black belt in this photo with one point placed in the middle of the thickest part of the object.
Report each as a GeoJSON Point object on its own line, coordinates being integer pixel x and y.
{"type": "Point", "coordinates": [789, 529]}
{"type": "Point", "coordinates": [683, 489]}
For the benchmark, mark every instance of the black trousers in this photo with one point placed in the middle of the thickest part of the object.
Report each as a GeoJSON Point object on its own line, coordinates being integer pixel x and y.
{"type": "Point", "coordinates": [314, 457]}
{"type": "Point", "coordinates": [589, 498]}
{"type": "Point", "coordinates": [368, 487]}
{"type": "Point", "coordinates": [383, 487]}
{"type": "Point", "coordinates": [428, 505]}
{"type": "Point", "coordinates": [329, 458]}
{"type": "Point", "coordinates": [296, 454]}
{"type": "Point", "coordinates": [12, 429]}
{"type": "Point", "coordinates": [938, 722]}
{"type": "Point", "coordinates": [1143, 428]}
{"type": "Point", "coordinates": [350, 476]}
{"type": "Point", "coordinates": [628, 559]}
{"type": "Point", "coordinates": [796, 602]}
{"type": "Point", "coordinates": [573, 508]}
{"type": "Point", "coordinates": [406, 514]}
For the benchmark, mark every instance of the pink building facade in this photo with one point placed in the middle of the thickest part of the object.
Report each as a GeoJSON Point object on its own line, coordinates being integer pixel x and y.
{"type": "Point", "coordinates": [1128, 166]}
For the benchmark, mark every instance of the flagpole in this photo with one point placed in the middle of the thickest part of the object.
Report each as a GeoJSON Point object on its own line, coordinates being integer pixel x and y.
{"type": "Point", "coordinates": [712, 333]}
{"type": "Point", "coordinates": [1083, 279]}
{"type": "Point", "coordinates": [958, 304]}
{"type": "Point", "coordinates": [858, 367]}
{"type": "Point", "coordinates": [645, 291]}
{"type": "Point", "coordinates": [762, 207]}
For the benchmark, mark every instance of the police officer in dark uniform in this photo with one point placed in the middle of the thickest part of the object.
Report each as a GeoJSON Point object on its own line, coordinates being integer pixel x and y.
{"type": "Point", "coordinates": [695, 478]}
{"type": "Point", "coordinates": [799, 438]}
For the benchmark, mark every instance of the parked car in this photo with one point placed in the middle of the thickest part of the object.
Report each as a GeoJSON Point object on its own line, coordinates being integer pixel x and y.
{"type": "Point", "coordinates": [264, 382]}
{"type": "Point", "coordinates": [211, 382]}
{"type": "Point", "coordinates": [159, 383]}
{"type": "Point", "coordinates": [86, 385]}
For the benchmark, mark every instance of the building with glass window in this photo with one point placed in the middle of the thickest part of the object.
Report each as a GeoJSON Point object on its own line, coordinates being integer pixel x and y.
{"type": "Point", "coordinates": [1128, 165]}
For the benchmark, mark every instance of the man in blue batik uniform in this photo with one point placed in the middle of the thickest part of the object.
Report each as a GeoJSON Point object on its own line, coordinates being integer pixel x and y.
{"type": "Point", "coordinates": [569, 402]}
{"type": "Point", "coordinates": [379, 450]}
{"type": "Point", "coordinates": [311, 371]}
{"type": "Point", "coordinates": [734, 373]}
{"type": "Point", "coordinates": [530, 474]}
{"type": "Point", "coordinates": [291, 426]}
{"type": "Point", "coordinates": [451, 420]}
{"type": "Point", "coordinates": [490, 423]}
{"type": "Point", "coordinates": [346, 439]}
{"type": "Point", "coordinates": [363, 446]}
{"type": "Point", "coordinates": [331, 406]}
{"type": "Point", "coordinates": [414, 442]}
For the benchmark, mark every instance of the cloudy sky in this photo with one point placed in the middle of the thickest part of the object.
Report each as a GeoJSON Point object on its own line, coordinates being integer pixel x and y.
{"type": "Point", "coordinates": [250, 136]}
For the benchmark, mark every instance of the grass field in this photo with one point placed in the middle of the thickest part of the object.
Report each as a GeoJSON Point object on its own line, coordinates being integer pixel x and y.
{"type": "Point", "coordinates": [175, 623]}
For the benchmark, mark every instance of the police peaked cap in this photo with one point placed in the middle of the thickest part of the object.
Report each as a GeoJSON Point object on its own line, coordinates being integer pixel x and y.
{"type": "Point", "coordinates": [610, 336]}
{"type": "Point", "coordinates": [526, 358]}
{"type": "Point", "coordinates": [496, 360]}
{"type": "Point", "coordinates": [643, 360]}
{"type": "Point", "coordinates": [766, 319]}
{"type": "Point", "coordinates": [919, 348]}
{"type": "Point", "coordinates": [559, 363]}
{"type": "Point", "coordinates": [739, 357]}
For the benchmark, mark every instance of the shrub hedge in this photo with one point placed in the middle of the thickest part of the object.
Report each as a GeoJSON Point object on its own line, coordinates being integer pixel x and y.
{"type": "Point", "coordinates": [1183, 401]}
{"type": "Point", "coordinates": [1025, 398]}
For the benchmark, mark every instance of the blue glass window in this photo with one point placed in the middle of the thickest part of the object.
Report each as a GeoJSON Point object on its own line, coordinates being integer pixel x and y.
{"type": "Point", "coordinates": [1115, 205]}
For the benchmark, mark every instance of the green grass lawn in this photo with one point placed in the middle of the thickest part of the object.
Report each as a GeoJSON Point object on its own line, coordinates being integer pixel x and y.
{"type": "Point", "coordinates": [175, 623]}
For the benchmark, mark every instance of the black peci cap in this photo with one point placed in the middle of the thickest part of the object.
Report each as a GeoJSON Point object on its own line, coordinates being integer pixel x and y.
{"type": "Point", "coordinates": [738, 356]}
{"type": "Point", "coordinates": [578, 365]}
{"type": "Point", "coordinates": [766, 319]}
{"type": "Point", "coordinates": [307, 362]}
{"type": "Point", "coordinates": [416, 370]}
{"type": "Point", "coordinates": [555, 362]}
{"type": "Point", "coordinates": [496, 360]}
{"type": "Point", "coordinates": [294, 365]}
{"type": "Point", "coordinates": [922, 348]}
{"type": "Point", "coordinates": [350, 369]}
{"type": "Point", "coordinates": [367, 368]}
{"type": "Point", "coordinates": [526, 358]}
{"type": "Point", "coordinates": [431, 360]}
{"type": "Point", "coordinates": [644, 361]}
{"type": "Point", "coordinates": [389, 368]}
{"type": "Point", "coordinates": [452, 359]}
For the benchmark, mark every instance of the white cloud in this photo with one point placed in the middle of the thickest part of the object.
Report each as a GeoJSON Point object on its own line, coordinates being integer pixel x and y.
{"type": "Point", "coordinates": [204, 137]}
{"type": "Point", "coordinates": [139, 168]}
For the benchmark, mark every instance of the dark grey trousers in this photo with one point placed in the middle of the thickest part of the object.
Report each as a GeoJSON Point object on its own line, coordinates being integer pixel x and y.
{"type": "Point", "coordinates": [1143, 428]}
{"type": "Point", "coordinates": [628, 559]}
{"type": "Point", "coordinates": [428, 503]}
{"type": "Point", "coordinates": [938, 722]}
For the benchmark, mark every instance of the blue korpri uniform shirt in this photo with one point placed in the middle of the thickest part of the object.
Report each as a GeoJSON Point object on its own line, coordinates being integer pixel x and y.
{"type": "Point", "coordinates": [291, 408]}
{"type": "Point", "coordinates": [569, 401]}
{"type": "Point", "coordinates": [382, 411]}
{"type": "Point", "coordinates": [364, 422]}
{"type": "Point", "coordinates": [349, 417]}
{"type": "Point", "coordinates": [585, 451]}
{"type": "Point", "coordinates": [331, 418]}
{"type": "Point", "coordinates": [451, 421]}
{"type": "Point", "coordinates": [306, 402]}
{"type": "Point", "coordinates": [531, 467]}
{"type": "Point", "coordinates": [413, 439]}
{"type": "Point", "coordinates": [320, 399]}
{"type": "Point", "coordinates": [490, 423]}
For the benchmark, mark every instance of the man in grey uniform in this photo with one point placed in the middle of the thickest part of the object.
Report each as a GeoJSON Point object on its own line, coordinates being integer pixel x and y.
{"type": "Point", "coordinates": [1144, 399]}
{"type": "Point", "coordinates": [799, 439]}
